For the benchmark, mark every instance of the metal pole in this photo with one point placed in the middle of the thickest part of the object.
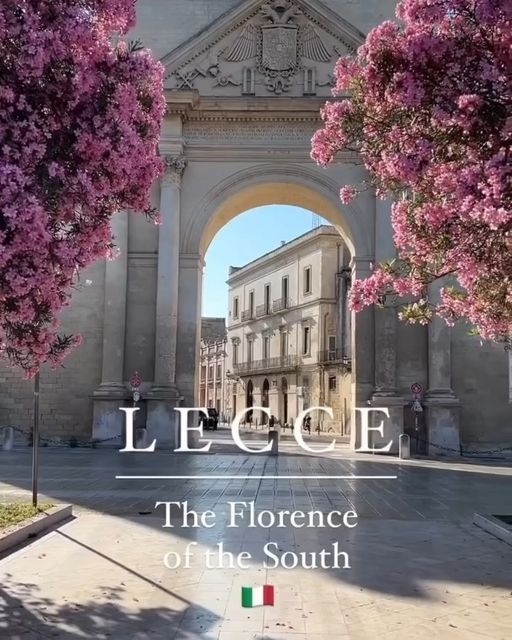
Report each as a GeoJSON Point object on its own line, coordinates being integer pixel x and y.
{"type": "Point", "coordinates": [35, 441]}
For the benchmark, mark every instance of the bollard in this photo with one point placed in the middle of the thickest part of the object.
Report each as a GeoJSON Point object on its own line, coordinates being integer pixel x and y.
{"type": "Point", "coordinates": [140, 437]}
{"type": "Point", "coordinates": [404, 446]}
{"type": "Point", "coordinates": [8, 442]}
{"type": "Point", "coordinates": [273, 437]}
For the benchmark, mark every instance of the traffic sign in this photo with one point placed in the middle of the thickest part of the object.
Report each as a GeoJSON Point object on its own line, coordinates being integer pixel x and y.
{"type": "Point", "coordinates": [135, 381]}
{"type": "Point", "coordinates": [416, 388]}
{"type": "Point", "coordinates": [416, 407]}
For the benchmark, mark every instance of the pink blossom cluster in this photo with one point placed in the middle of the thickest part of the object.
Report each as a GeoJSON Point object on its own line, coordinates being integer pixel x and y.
{"type": "Point", "coordinates": [430, 112]}
{"type": "Point", "coordinates": [80, 120]}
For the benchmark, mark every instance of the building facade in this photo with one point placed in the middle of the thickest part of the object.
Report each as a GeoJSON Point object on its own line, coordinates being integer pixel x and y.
{"type": "Point", "coordinates": [213, 365]}
{"type": "Point", "coordinates": [245, 81]}
{"type": "Point", "coordinates": [289, 332]}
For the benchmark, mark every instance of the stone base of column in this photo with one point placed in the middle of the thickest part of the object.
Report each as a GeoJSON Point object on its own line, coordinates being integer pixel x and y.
{"type": "Point", "coordinates": [108, 423]}
{"type": "Point", "coordinates": [442, 409]}
{"type": "Point", "coordinates": [163, 420]}
{"type": "Point", "coordinates": [393, 426]}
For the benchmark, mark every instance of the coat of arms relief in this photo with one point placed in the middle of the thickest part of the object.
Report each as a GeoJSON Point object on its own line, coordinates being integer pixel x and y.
{"type": "Point", "coordinates": [279, 50]}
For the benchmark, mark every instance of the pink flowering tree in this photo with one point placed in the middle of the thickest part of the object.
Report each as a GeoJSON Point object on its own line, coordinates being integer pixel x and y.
{"type": "Point", "coordinates": [428, 108]}
{"type": "Point", "coordinates": [80, 120]}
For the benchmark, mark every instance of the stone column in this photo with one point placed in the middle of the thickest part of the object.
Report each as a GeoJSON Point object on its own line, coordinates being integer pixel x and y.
{"type": "Point", "coordinates": [363, 350]}
{"type": "Point", "coordinates": [164, 396]}
{"type": "Point", "coordinates": [442, 406]}
{"type": "Point", "coordinates": [108, 421]}
{"type": "Point", "coordinates": [385, 394]}
{"type": "Point", "coordinates": [189, 334]}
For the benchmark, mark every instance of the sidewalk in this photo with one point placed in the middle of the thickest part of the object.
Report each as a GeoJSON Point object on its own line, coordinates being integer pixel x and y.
{"type": "Point", "coordinates": [419, 567]}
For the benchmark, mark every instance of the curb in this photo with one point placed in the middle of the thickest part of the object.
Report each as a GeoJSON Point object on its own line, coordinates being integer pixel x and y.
{"type": "Point", "coordinates": [19, 533]}
{"type": "Point", "coordinates": [494, 526]}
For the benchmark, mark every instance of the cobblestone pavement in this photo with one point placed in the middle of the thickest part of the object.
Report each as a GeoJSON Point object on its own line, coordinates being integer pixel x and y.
{"type": "Point", "coordinates": [418, 567]}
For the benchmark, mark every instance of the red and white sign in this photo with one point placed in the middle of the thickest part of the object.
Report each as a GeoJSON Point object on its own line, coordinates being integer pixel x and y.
{"type": "Point", "coordinates": [135, 381]}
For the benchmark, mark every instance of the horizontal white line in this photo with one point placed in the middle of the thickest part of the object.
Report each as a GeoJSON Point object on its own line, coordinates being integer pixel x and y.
{"type": "Point", "coordinates": [256, 477]}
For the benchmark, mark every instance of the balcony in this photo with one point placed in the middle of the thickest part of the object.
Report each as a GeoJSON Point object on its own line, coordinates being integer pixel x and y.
{"type": "Point", "coordinates": [281, 363]}
{"type": "Point", "coordinates": [263, 310]}
{"type": "Point", "coordinates": [247, 315]}
{"type": "Point", "coordinates": [281, 304]}
{"type": "Point", "coordinates": [335, 356]}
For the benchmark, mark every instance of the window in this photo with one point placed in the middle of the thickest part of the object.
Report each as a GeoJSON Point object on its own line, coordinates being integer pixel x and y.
{"type": "Point", "coordinates": [309, 82]}
{"type": "Point", "coordinates": [251, 304]}
{"type": "Point", "coordinates": [250, 345]}
{"type": "Point", "coordinates": [210, 373]}
{"type": "Point", "coordinates": [236, 309]}
{"type": "Point", "coordinates": [248, 81]}
{"type": "Point", "coordinates": [284, 343]}
{"type": "Point", "coordinates": [306, 341]}
{"type": "Point", "coordinates": [332, 383]}
{"type": "Point", "coordinates": [332, 343]}
{"type": "Point", "coordinates": [266, 347]}
{"type": "Point", "coordinates": [235, 353]}
{"type": "Point", "coordinates": [267, 299]}
{"type": "Point", "coordinates": [203, 373]}
{"type": "Point", "coordinates": [285, 291]}
{"type": "Point", "coordinates": [219, 371]}
{"type": "Point", "coordinates": [307, 280]}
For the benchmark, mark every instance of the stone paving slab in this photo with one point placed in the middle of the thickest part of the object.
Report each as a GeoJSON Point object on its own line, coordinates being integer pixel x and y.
{"type": "Point", "coordinates": [419, 567]}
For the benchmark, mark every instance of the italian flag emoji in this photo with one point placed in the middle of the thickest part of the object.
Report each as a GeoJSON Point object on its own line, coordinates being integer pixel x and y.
{"type": "Point", "coordinates": [258, 596]}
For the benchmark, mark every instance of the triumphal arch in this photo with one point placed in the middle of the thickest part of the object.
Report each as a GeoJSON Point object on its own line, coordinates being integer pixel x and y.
{"type": "Point", "coordinates": [245, 82]}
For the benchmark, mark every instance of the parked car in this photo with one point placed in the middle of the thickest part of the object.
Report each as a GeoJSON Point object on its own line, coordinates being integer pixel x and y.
{"type": "Point", "coordinates": [212, 422]}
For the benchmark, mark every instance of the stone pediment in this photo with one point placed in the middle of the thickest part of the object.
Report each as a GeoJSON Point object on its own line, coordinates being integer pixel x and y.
{"type": "Point", "coordinates": [264, 48]}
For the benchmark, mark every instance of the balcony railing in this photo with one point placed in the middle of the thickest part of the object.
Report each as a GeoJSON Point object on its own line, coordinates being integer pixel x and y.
{"type": "Point", "coordinates": [269, 364]}
{"type": "Point", "coordinates": [263, 310]}
{"type": "Point", "coordinates": [247, 315]}
{"type": "Point", "coordinates": [281, 304]}
{"type": "Point", "coordinates": [335, 356]}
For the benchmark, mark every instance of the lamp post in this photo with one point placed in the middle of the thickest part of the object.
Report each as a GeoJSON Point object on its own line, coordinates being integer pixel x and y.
{"type": "Point", "coordinates": [35, 441]}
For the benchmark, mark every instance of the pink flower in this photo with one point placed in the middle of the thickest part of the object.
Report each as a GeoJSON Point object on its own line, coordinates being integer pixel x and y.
{"type": "Point", "coordinates": [429, 113]}
{"type": "Point", "coordinates": [347, 194]}
{"type": "Point", "coordinates": [58, 191]}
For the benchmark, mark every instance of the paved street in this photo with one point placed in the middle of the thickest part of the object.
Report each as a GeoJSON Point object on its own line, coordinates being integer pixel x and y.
{"type": "Point", "coordinates": [418, 567]}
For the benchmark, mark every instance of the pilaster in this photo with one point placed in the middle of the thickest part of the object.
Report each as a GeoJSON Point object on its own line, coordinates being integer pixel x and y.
{"type": "Point", "coordinates": [108, 421]}
{"type": "Point", "coordinates": [442, 405]}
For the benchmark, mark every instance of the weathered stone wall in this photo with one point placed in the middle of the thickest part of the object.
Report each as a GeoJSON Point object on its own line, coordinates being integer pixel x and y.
{"type": "Point", "coordinates": [480, 381]}
{"type": "Point", "coordinates": [65, 399]}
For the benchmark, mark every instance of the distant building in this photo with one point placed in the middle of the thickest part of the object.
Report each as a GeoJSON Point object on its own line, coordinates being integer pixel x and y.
{"type": "Point", "coordinates": [289, 332]}
{"type": "Point", "coordinates": [213, 355]}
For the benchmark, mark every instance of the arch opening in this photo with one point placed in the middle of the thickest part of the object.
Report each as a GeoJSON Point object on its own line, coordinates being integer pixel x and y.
{"type": "Point", "coordinates": [287, 306]}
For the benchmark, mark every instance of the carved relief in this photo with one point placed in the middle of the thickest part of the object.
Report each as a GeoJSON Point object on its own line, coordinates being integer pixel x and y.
{"type": "Point", "coordinates": [269, 52]}
{"type": "Point", "coordinates": [174, 169]}
{"type": "Point", "coordinates": [279, 44]}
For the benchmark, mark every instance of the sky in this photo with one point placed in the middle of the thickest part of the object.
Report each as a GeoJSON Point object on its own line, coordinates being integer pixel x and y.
{"type": "Point", "coordinates": [245, 238]}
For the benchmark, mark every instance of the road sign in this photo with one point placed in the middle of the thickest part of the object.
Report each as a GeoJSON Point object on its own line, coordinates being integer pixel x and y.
{"type": "Point", "coordinates": [416, 407]}
{"type": "Point", "coordinates": [135, 381]}
{"type": "Point", "coordinates": [416, 388]}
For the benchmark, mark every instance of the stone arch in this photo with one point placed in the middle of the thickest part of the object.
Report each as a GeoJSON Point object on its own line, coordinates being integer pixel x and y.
{"type": "Point", "coordinates": [272, 183]}
{"type": "Point", "coordinates": [266, 183]}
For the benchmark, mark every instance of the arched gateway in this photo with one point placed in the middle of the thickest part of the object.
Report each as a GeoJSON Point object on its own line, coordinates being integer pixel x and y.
{"type": "Point", "coordinates": [245, 81]}
{"type": "Point", "coordinates": [244, 97]}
